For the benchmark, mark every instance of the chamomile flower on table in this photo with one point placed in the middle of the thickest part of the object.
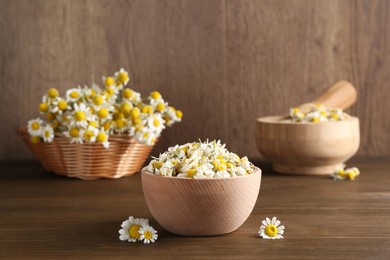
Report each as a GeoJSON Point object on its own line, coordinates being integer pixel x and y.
{"type": "Point", "coordinates": [148, 234]}
{"type": "Point", "coordinates": [34, 127]}
{"type": "Point", "coordinates": [137, 229]}
{"type": "Point", "coordinates": [81, 114]}
{"type": "Point", "coordinates": [346, 174]}
{"type": "Point", "coordinates": [271, 229]}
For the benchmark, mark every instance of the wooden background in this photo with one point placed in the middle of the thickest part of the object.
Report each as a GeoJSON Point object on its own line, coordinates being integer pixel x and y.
{"type": "Point", "coordinates": [223, 62]}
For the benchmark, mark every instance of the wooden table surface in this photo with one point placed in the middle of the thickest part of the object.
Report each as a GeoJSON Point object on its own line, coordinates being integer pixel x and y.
{"type": "Point", "coordinates": [44, 215]}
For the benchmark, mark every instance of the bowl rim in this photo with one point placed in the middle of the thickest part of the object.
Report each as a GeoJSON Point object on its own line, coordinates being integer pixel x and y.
{"type": "Point", "coordinates": [257, 171]}
{"type": "Point", "coordinates": [269, 120]}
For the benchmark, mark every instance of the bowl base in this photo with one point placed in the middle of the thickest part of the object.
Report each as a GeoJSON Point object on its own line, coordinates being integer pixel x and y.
{"type": "Point", "coordinates": [307, 170]}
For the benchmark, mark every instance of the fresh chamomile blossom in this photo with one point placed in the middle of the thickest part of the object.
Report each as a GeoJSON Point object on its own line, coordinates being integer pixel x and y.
{"type": "Point", "coordinates": [92, 114]}
{"type": "Point", "coordinates": [200, 160]}
{"type": "Point", "coordinates": [318, 113]}
{"type": "Point", "coordinates": [47, 134]}
{"type": "Point", "coordinates": [148, 234]}
{"type": "Point", "coordinates": [73, 94]}
{"type": "Point", "coordinates": [346, 174]}
{"type": "Point", "coordinates": [137, 229]}
{"type": "Point", "coordinates": [34, 127]}
{"type": "Point", "coordinates": [271, 229]}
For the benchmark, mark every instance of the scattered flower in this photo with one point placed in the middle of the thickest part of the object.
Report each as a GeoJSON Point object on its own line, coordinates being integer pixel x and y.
{"type": "Point", "coordinates": [346, 174]}
{"type": "Point", "coordinates": [92, 114]}
{"type": "Point", "coordinates": [271, 229]}
{"type": "Point", "coordinates": [148, 234]}
{"type": "Point", "coordinates": [137, 229]}
{"type": "Point", "coordinates": [200, 160]}
{"type": "Point", "coordinates": [319, 113]}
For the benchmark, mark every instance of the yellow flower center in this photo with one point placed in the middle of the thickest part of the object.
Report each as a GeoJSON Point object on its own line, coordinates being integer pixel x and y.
{"type": "Point", "coordinates": [43, 107]}
{"type": "Point", "coordinates": [179, 114]}
{"type": "Point", "coordinates": [315, 119]}
{"type": "Point", "coordinates": [62, 105]}
{"type": "Point", "coordinates": [35, 125]}
{"type": "Point", "coordinates": [148, 235]}
{"type": "Point", "coordinates": [74, 94]}
{"type": "Point", "coordinates": [155, 95]}
{"type": "Point", "coordinates": [137, 120]}
{"type": "Point", "coordinates": [135, 112]}
{"type": "Point", "coordinates": [147, 110]}
{"type": "Point", "coordinates": [335, 116]}
{"type": "Point", "coordinates": [107, 125]}
{"type": "Point", "coordinates": [119, 115]}
{"type": "Point", "coordinates": [160, 107]}
{"type": "Point", "coordinates": [120, 123]}
{"type": "Point", "coordinates": [351, 176]}
{"type": "Point", "coordinates": [191, 172]}
{"type": "Point", "coordinates": [127, 93]}
{"type": "Point", "coordinates": [88, 135]}
{"type": "Point", "coordinates": [101, 137]}
{"type": "Point", "coordinates": [295, 110]}
{"type": "Point", "coordinates": [47, 134]}
{"type": "Point", "coordinates": [102, 113]}
{"type": "Point", "coordinates": [126, 107]}
{"type": "Point", "coordinates": [74, 132]}
{"type": "Point", "coordinates": [98, 100]}
{"type": "Point", "coordinates": [123, 77]}
{"type": "Point", "coordinates": [157, 165]}
{"type": "Point", "coordinates": [133, 231]}
{"type": "Point", "coordinates": [110, 91]}
{"type": "Point", "coordinates": [52, 93]}
{"type": "Point", "coordinates": [156, 122]}
{"type": "Point", "coordinates": [271, 230]}
{"type": "Point", "coordinates": [93, 124]}
{"type": "Point", "coordinates": [79, 115]}
{"type": "Point", "coordinates": [35, 139]}
{"type": "Point", "coordinates": [109, 81]}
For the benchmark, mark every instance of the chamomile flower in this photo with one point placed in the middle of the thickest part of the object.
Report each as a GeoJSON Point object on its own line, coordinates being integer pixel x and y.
{"type": "Point", "coordinates": [146, 136]}
{"type": "Point", "coordinates": [271, 229]}
{"type": "Point", "coordinates": [318, 113]}
{"type": "Point", "coordinates": [59, 105]}
{"type": "Point", "coordinates": [90, 134]}
{"type": "Point", "coordinates": [47, 134]}
{"type": "Point", "coordinates": [73, 94]}
{"type": "Point", "coordinates": [148, 234]}
{"type": "Point", "coordinates": [75, 135]}
{"type": "Point", "coordinates": [102, 137]}
{"type": "Point", "coordinates": [122, 77]}
{"type": "Point", "coordinates": [131, 227]}
{"type": "Point", "coordinates": [131, 95]}
{"type": "Point", "coordinates": [156, 123]}
{"type": "Point", "coordinates": [80, 115]}
{"type": "Point", "coordinates": [346, 174]}
{"type": "Point", "coordinates": [35, 127]}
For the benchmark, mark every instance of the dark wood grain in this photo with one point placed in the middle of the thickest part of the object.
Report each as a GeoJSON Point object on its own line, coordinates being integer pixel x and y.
{"type": "Point", "coordinates": [43, 215]}
{"type": "Point", "coordinates": [223, 62]}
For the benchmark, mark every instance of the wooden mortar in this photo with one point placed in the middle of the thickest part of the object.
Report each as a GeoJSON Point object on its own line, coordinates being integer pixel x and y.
{"type": "Point", "coordinates": [311, 148]}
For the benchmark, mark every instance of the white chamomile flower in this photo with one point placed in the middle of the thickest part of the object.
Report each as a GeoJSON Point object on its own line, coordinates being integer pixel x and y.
{"type": "Point", "coordinates": [35, 127]}
{"type": "Point", "coordinates": [47, 134]}
{"type": "Point", "coordinates": [59, 105]}
{"type": "Point", "coordinates": [74, 94]}
{"type": "Point", "coordinates": [102, 137]}
{"type": "Point", "coordinates": [90, 134]}
{"type": "Point", "coordinates": [122, 77]}
{"type": "Point", "coordinates": [148, 234]}
{"type": "Point", "coordinates": [346, 174]}
{"type": "Point", "coordinates": [130, 229]}
{"type": "Point", "coordinates": [80, 115]}
{"type": "Point", "coordinates": [271, 229]}
{"type": "Point", "coordinates": [146, 136]}
{"type": "Point", "coordinates": [156, 123]}
{"type": "Point", "coordinates": [75, 135]}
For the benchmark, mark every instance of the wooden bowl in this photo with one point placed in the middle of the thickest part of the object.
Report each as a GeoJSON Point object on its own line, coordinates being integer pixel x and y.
{"type": "Point", "coordinates": [307, 148]}
{"type": "Point", "coordinates": [201, 207]}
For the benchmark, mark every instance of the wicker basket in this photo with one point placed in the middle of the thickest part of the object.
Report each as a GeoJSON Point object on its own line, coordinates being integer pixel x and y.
{"type": "Point", "coordinates": [125, 156]}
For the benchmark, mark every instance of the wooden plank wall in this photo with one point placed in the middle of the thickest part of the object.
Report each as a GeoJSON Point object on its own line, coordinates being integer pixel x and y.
{"type": "Point", "coordinates": [223, 62]}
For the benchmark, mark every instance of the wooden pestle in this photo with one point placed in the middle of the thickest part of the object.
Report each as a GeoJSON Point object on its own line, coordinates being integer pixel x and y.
{"type": "Point", "coordinates": [341, 95]}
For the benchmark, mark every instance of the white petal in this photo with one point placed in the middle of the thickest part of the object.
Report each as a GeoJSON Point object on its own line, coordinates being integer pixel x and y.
{"type": "Point", "coordinates": [273, 220]}
{"type": "Point", "coordinates": [280, 231]}
{"type": "Point", "coordinates": [277, 223]}
{"type": "Point", "coordinates": [281, 227]}
{"type": "Point", "coordinates": [264, 222]}
{"type": "Point", "coordinates": [268, 220]}
{"type": "Point", "coordinates": [123, 238]}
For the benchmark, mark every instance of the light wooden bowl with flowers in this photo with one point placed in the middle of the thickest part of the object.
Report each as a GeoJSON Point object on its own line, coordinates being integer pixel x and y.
{"type": "Point", "coordinates": [200, 189]}
{"type": "Point", "coordinates": [98, 132]}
